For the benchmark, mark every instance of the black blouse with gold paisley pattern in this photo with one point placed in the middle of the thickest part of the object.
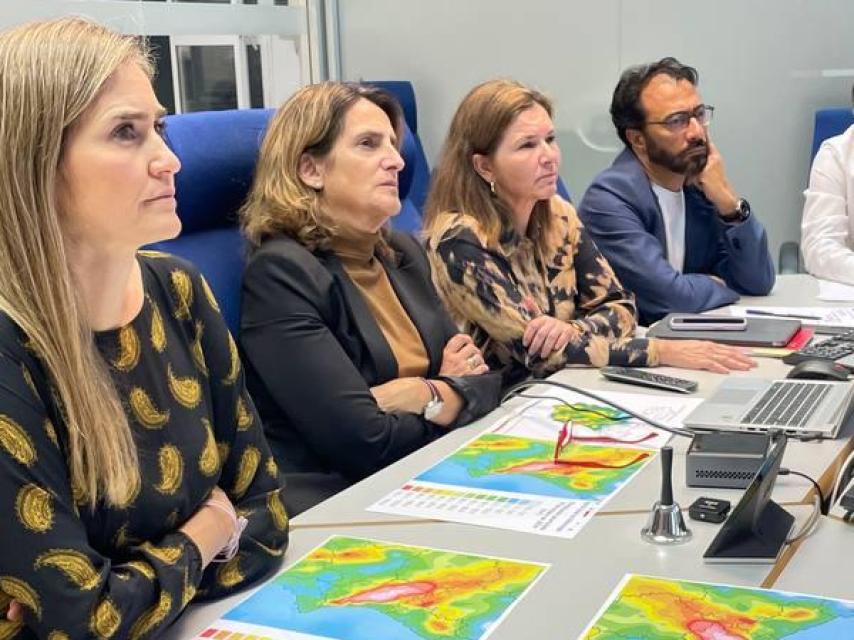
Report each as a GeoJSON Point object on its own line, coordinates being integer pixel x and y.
{"type": "Point", "coordinates": [490, 291]}
{"type": "Point", "coordinates": [126, 571]}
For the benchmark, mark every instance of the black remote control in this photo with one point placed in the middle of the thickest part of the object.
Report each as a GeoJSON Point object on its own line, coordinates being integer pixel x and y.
{"type": "Point", "coordinates": [646, 379]}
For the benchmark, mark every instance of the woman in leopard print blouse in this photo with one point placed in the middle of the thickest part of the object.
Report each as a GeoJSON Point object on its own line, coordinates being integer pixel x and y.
{"type": "Point", "coordinates": [512, 260]}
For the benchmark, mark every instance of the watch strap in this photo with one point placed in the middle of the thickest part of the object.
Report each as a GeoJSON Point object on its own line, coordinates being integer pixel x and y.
{"type": "Point", "coordinates": [740, 214]}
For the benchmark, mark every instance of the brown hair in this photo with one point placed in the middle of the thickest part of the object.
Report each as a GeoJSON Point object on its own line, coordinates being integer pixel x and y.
{"type": "Point", "coordinates": [309, 122]}
{"type": "Point", "coordinates": [477, 128]}
{"type": "Point", "coordinates": [50, 72]}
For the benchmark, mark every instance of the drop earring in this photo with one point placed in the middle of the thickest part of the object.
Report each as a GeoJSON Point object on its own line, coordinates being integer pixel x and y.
{"type": "Point", "coordinates": [492, 187]}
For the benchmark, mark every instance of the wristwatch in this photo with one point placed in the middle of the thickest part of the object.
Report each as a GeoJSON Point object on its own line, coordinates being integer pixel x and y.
{"type": "Point", "coordinates": [435, 404]}
{"type": "Point", "coordinates": [739, 214]}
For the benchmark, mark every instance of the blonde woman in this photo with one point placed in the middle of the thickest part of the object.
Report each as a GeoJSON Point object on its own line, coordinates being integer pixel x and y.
{"type": "Point", "coordinates": [131, 457]}
{"type": "Point", "coordinates": [512, 261]}
{"type": "Point", "coordinates": [351, 357]}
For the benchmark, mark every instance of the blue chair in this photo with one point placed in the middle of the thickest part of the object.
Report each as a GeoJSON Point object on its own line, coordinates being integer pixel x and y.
{"type": "Point", "coordinates": [830, 122]}
{"type": "Point", "coordinates": [413, 184]}
{"type": "Point", "coordinates": [218, 151]}
{"type": "Point", "coordinates": [405, 94]}
{"type": "Point", "coordinates": [563, 192]}
{"type": "Point", "coordinates": [414, 180]}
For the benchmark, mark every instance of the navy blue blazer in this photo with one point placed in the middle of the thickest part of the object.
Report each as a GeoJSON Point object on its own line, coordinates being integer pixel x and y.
{"type": "Point", "coordinates": [622, 214]}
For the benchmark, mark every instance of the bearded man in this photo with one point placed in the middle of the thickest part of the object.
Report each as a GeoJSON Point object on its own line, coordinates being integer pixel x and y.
{"type": "Point", "coordinates": [664, 213]}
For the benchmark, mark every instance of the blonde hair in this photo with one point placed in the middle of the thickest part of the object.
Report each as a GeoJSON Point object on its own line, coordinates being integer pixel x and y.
{"type": "Point", "coordinates": [477, 128]}
{"type": "Point", "coordinates": [310, 122]}
{"type": "Point", "coordinates": [50, 72]}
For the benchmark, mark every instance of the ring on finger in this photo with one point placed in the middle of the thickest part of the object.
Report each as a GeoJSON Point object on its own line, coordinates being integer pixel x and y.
{"type": "Point", "coordinates": [473, 361]}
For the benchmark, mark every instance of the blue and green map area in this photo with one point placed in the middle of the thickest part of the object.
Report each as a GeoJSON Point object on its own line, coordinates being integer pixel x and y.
{"type": "Point", "coordinates": [358, 589]}
{"type": "Point", "coordinates": [525, 465]}
{"type": "Point", "coordinates": [660, 609]}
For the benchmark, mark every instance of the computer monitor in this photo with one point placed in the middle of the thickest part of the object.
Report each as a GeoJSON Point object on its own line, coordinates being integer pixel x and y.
{"type": "Point", "coordinates": [757, 529]}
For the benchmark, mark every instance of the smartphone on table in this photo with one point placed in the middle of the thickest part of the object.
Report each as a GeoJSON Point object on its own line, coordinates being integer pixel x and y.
{"type": "Point", "coordinates": [707, 323]}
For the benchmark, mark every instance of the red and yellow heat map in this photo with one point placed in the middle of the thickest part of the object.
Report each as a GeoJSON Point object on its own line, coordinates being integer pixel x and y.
{"type": "Point", "coordinates": [661, 609]}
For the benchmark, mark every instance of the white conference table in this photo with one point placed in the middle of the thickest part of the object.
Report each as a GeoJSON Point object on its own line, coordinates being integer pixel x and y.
{"type": "Point", "coordinates": [586, 568]}
{"type": "Point", "coordinates": [816, 459]}
{"type": "Point", "coordinates": [823, 563]}
{"type": "Point", "coordinates": [569, 594]}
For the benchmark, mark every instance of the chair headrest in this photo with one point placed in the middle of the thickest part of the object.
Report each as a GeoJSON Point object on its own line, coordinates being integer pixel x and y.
{"type": "Point", "coordinates": [413, 158]}
{"type": "Point", "coordinates": [410, 148]}
{"type": "Point", "coordinates": [405, 94]}
{"type": "Point", "coordinates": [562, 190]}
{"type": "Point", "coordinates": [218, 152]}
{"type": "Point", "coordinates": [829, 122]}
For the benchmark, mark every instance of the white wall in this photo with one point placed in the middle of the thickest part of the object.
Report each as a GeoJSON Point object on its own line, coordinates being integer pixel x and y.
{"type": "Point", "coordinates": [760, 64]}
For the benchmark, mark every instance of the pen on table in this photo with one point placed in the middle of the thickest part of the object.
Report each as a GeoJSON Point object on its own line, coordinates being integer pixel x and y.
{"type": "Point", "coordinates": [798, 316]}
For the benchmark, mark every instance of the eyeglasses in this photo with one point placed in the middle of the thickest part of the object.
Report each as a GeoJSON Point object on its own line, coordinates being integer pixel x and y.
{"type": "Point", "coordinates": [679, 121]}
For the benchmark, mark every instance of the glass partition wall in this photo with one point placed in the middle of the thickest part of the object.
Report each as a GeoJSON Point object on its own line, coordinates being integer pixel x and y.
{"type": "Point", "coordinates": [766, 66]}
{"type": "Point", "coordinates": [215, 54]}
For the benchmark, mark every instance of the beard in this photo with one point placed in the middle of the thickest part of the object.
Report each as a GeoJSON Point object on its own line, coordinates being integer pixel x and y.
{"type": "Point", "coordinates": [689, 162]}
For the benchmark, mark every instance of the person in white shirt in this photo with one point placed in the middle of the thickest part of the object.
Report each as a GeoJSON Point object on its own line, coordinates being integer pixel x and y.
{"type": "Point", "coordinates": [827, 226]}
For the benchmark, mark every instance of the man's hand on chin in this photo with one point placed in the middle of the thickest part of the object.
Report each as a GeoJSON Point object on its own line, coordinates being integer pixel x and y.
{"type": "Point", "coordinates": [715, 185]}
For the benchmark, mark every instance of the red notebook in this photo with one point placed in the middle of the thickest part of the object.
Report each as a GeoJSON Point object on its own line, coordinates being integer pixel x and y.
{"type": "Point", "coordinates": [800, 339]}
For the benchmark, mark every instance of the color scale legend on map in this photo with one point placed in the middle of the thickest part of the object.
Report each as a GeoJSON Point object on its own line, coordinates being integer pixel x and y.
{"type": "Point", "coordinates": [214, 633]}
{"type": "Point", "coordinates": [534, 514]}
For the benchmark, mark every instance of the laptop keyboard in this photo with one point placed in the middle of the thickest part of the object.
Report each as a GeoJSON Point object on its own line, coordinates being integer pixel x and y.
{"type": "Point", "coordinates": [787, 404]}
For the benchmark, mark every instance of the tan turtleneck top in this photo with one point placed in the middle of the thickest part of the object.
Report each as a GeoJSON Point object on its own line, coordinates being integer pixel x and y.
{"type": "Point", "coordinates": [356, 251]}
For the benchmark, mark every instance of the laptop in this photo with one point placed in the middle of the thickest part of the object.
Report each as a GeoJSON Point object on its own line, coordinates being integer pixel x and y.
{"type": "Point", "coordinates": [799, 408]}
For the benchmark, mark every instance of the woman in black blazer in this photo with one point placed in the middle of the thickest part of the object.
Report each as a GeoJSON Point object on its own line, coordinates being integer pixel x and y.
{"type": "Point", "coordinates": [350, 356]}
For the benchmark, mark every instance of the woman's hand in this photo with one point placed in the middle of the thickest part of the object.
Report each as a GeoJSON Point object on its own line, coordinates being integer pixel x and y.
{"type": "Point", "coordinates": [402, 394]}
{"type": "Point", "coordinates": [701, 354]}
{"type": "Point", "coordinates": [210, 527]}
{"type": "Point", "coordinates": [413, 394]}
{"type": "Point", "coordinates": [544, 335]}
{"type": "Point", "coordinates": [461, 357]}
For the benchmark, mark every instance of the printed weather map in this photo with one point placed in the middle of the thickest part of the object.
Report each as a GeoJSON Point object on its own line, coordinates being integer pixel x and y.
{"type": "Point", "coordinates": [601, 424]}
{"type": "Point", "coordinates": [598, 423]}
{"type": "Point", "coordinates": [526, 465]}
{"type": "Point", "coordinates": [510, 478]}
{"type": "Point", "coordinates": [358, 589]}
{"type": "Point", "coordinates": [660, 609]}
